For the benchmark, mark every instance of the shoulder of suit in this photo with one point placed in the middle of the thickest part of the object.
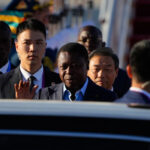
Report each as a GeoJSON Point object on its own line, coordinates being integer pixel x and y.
{"type": "Point", "coordinates": [7, 74]}
{"type": "Point", "coordinates": [55, 86]}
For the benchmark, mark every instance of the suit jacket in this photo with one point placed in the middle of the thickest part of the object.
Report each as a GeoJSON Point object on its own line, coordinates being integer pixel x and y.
{"type": "Point", "coordinates": [92, 93]}
{"type": "Point", "coordinates": [8, 80]}
{"type": "Point", "coordinates": [122, 83]}
{"type": "Point", "coordinates": [134, 97]}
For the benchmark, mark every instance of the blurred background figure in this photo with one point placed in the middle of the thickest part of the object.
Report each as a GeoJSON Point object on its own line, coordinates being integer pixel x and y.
{"type": "Point", "coordinates": [12, 18]}
{"type": "Point", "coordinates": [5, 46]}
{"type": "Point", "coordinates": [91, 37]}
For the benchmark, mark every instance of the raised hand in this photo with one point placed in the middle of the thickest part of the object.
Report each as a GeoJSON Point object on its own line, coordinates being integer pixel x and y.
{"type": "Point", "coordinates": [22, 90]}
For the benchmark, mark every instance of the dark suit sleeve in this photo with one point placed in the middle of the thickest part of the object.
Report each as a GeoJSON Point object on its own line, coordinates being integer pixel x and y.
{"type": "Point", "coordinates": [7, 82]}
{"type": "Point", "coordinates": [112, 96]}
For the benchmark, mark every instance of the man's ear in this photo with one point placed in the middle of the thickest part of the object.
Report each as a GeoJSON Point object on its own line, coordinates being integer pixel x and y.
{"type": "Point", "coordinates": [16, 45]}
{"type": "Point", "coordinates": [129, 71]}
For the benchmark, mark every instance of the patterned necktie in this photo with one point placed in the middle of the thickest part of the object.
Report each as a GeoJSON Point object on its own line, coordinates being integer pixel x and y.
{"type": "Point", "coordinates": [31, 82]}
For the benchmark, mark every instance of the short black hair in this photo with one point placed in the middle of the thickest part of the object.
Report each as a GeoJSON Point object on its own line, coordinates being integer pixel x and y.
{"type": "Point", "coordinates": [91, 29]}
{"type": "Point", "coordinates": [105, 51]}
{"type": "Point", "coordinates": [74, 49]}
{"type": "Point", "coordinates": [139, 60]}
{"type": "Point", "coordinates": [4, 26]}
{"type": "Point", "coordinates": [31, 24]}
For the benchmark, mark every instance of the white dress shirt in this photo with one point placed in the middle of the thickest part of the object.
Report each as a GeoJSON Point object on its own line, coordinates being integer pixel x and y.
{"type": "Point", "coordinates": [79, 94]}
{"type": "Point", "coordinates": [38, 75]}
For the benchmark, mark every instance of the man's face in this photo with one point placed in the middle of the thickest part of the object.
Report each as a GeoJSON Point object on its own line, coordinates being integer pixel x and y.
{"type": "Point", "coordinates": [72, 70]}
{"type": "Point", "coordinates": [91, 40]}
{"type": "Point", "coordinates": [5, 45]}
{"type": "Point", "coordinates": [30, 46]}
{"type": "Point", "coordinates": [102, 71]}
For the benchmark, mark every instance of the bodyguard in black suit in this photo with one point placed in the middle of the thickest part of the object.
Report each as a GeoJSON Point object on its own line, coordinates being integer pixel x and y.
{"type": "Point", "coordinates": [30, 46]}
{"type": "Point", "coordinates": [138, 71]}
{"type": "Point", "coordinates": [72, 61]}
{"type": "Point", "coordinates": [8, 80]}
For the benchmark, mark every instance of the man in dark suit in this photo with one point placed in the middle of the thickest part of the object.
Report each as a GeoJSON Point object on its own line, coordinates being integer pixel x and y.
{"type": "Point", "coordinates": [91, 37]}
{"type": "Point", "coordinates": [138, 71]}
{"type": "Point", "coordinates": [72, 60]}
{"type": "Point", "coordinates": [30, 46]}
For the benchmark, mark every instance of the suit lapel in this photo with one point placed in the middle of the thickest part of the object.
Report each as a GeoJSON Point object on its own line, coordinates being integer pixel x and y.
{"type": "Point", "coordinates": [90, 91]}
{"type": "Point", "coordinates": [16, 77]}
{"type": "Point", "coordinates": [58, 92]}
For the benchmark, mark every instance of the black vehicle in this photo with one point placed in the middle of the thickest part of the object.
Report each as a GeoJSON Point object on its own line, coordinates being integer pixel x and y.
{"type": "Point", "coordinates": [44, 125]}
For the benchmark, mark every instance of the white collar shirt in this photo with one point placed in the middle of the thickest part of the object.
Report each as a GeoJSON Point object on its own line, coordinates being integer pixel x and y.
{"type": "Point", "coordinates": [38, 75]}
{"type": "Point", "coordinates": [79, 94]}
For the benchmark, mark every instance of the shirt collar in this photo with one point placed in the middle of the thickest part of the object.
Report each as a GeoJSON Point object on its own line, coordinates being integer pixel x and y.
{"type": "Point", "coordinates": [83, 89]}
{"type": "Point", "coordinates": [37, 75]}
{"type": "Point", "coordinates": [135, 89]}
{"type": "Point", "coordinates": [4, 68]}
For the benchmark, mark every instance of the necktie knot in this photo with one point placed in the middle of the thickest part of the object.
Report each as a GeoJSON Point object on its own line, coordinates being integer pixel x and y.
{"type": "Point", "coordinates": [31, 82]}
